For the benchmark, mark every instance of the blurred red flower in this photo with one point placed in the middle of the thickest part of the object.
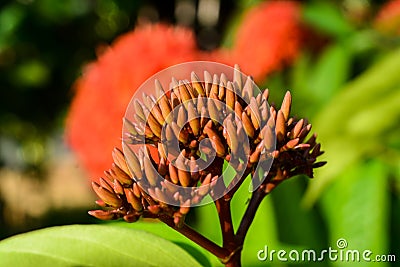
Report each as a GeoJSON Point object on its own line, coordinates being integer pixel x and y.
{"type": "Point", "coordinates": [94, 122]}
{"type": "Point", "coordinates": [388, 18]}
{"type": "Point", "coordinates": [268, 38]}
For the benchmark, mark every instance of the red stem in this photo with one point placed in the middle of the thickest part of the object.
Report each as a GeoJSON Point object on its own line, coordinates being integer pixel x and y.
{"type": "Point", "coordinates": [196, 237]}
{"type": "Point", "coordinates": [225, 220]}
{"type": "Point", "coordinates": [230, 252]}
{"type": "Point", "coordinates": [249, 214]}
{"type": "Point", "coordinates": [237, 181]}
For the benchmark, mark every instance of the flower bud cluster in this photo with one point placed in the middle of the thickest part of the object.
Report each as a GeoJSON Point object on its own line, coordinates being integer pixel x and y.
{"type": "Point", "coordinates": [187, 134]}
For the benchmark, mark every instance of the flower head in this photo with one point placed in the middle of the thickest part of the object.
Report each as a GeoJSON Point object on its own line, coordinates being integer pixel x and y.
{"type": "Point", "coordinates": [196, 126]}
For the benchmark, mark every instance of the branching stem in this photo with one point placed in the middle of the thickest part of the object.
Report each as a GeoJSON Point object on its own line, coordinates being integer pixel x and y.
{"type": "Point", "coordinates": [196, 237]}
{"type": "Point", "coordinates": [249, 214]}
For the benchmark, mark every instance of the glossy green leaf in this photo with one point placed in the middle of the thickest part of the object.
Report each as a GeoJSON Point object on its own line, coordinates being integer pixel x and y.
{"type": "Point", "coordinates": [162, 230]}
{"type": "Point", "coordinates": [91, 245]}
{"type": "Point", "coordinates": [356, 207]}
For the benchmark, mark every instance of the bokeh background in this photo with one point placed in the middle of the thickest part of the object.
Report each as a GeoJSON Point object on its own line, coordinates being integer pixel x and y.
{"type": "Point", "coordinates": [340, 59]}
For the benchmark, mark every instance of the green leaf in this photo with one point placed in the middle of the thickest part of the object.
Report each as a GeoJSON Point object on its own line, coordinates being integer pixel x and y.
{"type": "Point", "coordinates": [308, 231]}
{"type": "Point", "coordinates": [327, 18]}
{"type": "Point", "coordinates": [207, 223]}
{"type": "Point", "coordinates": [164, 231]}
{"type": "Point", "coordinates": [91, 245]}
{"type": "Point", "coordinates": [355, 122]}
{"type": "Point", "coordinates": [10, 18]}
{"type": "Point", "coordinates": [378, 81]}
{"type": "Point", "coordinates": [356, 207]}
{"type": "Point", "coordinates": [330, 73]}
{"type": "Point", "coordinates": [314, 82]}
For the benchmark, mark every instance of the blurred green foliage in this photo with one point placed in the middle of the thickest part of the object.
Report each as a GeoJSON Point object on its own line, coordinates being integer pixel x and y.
{"type": "Point", "coordinates": [43, 46]}
{"type": "Point", "coordinates": [347, 84]}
